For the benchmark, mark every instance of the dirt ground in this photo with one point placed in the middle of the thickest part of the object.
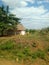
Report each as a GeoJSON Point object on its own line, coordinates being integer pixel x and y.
{"type": "Point", "coordinates": [36, 62]}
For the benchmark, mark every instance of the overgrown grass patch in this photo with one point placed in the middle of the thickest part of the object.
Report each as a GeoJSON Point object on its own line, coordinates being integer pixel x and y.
{"type": "Point", "coordinates": [47, 49]}
{"type": "Point", "coordinates": [19, 51]}
{"type": "Point", "coordinates": [7, 45]}
{"type": "Point", "coordinates": [41, 54]}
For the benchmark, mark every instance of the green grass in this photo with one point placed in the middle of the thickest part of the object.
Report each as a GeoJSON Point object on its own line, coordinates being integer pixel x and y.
{"type": "Point", "coordinates": [7, 45]}
{"type": "Point", "coordinates": [20, 51]}
{"type": "Point", "coordinates": [28, 47]}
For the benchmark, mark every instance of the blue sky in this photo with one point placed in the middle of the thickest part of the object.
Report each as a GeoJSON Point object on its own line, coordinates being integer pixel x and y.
{"type": "Point", "coordinates": [34, 13]}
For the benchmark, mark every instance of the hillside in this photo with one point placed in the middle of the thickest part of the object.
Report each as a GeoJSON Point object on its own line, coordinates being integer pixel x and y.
{"type": "Point", "coordinates": [31, 49]}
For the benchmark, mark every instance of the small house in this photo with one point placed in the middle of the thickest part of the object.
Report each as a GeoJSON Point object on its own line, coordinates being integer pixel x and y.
{"type": "Point", "coordinates": [20, 29]}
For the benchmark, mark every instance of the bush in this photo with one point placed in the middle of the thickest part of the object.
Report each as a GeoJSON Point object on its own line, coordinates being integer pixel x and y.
{"type": "Point", "coordinates": [20, 55]}
{"type": "Point", "coordinates": [47, 49]}
{"type": "Point", "coordinates": [34, 56]}
{"type": "Point", "coordinates": [41, 54]}
{"type": "Point", "coordinates": [26, 51]}
{"type": "Point", "coordinates": [32, 31]}
{"type": "Point", "coordinates": [34, 44]}
{"type": "Point", "coordinates": [38, 54]}
{"type": "Point", "coordinates": [7, 45]}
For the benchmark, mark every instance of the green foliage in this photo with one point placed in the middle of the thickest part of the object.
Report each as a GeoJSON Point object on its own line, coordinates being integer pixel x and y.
{"type": "Point", "coordinates": [7, 21]}
{"type": "Point", "coordinates": [44, 31]}
{"type": "Point", "coordinates": [27, 30]}
{"type": "Point", "coordinates": [34, 44]}
{"type": "Point", "coordinates": [41, 54]}
{"type": "Point", "coordinates": [26, 51]}
{"type": "Point", "coordinates": [7, 45]}
{"type": "Point", "coordinates": [38, 54]}
{"type": "Point", "coordinates": [20, 55]}
{"type": "Point", "coordinates": [34, 55]}
{"type": "Point", "coordinates": [19, 51]}
{"type": "Point", "coordinates": [47, 49]}
{"type": "Point", "coordinates": [32, 31]}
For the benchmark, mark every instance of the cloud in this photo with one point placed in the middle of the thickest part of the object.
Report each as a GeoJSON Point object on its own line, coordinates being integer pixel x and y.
{"type": "Point", "coordinates": [13, 3]}
{"type": "Point", "coordinates": [31, 1]}
{"type": "Point", "coordinates": [32, 17]}
{"type": "Point", "coordinates": [16, 3]}
{"type": "Point", "coordinates": [26, 12]}
{"type": "Point", "coordinates": [23, 3]}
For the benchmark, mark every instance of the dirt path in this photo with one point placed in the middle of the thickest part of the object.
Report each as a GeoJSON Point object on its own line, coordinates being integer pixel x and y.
{"type": "Point", "coordinates": [5, 62]}
{"type": "Point", "coordinates": [37, 62]}
{"type": "Point", "coordinates": [9, 62]}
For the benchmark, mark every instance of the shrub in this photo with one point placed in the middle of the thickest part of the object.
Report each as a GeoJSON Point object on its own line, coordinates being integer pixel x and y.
{"type": "Point", "coordinates": [7, 45]}
{"type": "Point", "coordinates": [34, 56]}
{"type": "Point", "coordinates": [38, 54]}
{"type": "Point", "coordinates": [32, 31]}
{"type": "Point", "coordinates": [20, 55]}
{"type": "Point", "coordinates": [41, 54]}
{"type": "Point", "coordinates": [19, 46]}
{"type": "Point", "coordinates": [26, 51]}
{"type": "Point", "coordinates": [34, 44]}
{"type": "Point", "coordinates": [47, 49]}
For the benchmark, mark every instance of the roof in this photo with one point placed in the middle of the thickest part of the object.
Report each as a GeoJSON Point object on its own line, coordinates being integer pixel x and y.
{"type": "Point", "coordinates": [20, 27]}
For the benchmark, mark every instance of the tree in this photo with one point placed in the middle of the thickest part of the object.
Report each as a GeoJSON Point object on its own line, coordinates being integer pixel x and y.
{"type": "Point", "coordinates": [7, 21]}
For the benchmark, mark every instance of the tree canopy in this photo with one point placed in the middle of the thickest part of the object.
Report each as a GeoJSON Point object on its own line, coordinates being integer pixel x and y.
{"type": "Point", "coordinates": [7, 20]}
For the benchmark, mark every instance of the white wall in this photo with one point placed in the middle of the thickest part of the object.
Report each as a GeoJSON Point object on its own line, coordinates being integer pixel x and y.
{"type": "Point", "coordinates": [22, 33]}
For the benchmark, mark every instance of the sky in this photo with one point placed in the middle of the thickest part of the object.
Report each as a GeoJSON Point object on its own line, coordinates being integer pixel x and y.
{"type": "Point", "coordinates": [34, 14]}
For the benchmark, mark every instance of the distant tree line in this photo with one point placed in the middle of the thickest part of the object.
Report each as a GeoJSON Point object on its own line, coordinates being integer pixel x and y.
{"type": "Point", "coordinates": [8, 21]}
{"type": "Point", "coordinates": [30, 30]}
{"type": "Point", "coordinates": [42, 31]}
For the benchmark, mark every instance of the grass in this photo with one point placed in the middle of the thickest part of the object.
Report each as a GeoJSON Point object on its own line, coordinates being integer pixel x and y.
{"type": "Point", "coordinates": [7, 45]}
{"type": "Point", "coordinates": [27, 48]}
{"type": "Point", "coordinates": [20, 51]}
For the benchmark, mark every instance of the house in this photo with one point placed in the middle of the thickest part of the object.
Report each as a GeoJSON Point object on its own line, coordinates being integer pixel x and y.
{"type": "Point", "coordinates": [20, 29]}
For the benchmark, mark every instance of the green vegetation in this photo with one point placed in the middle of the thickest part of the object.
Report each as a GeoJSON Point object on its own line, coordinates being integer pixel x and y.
{"type": "Point", "coordinates": [30, 31]}
{"type": "Point", "coordinates": [34, 45]}
{"type": "Point", "coordinates": [8, 21]}
{"type": "Point", "coordinates": [26, 48]}
{"type": "Point", "coordinates": [47, 49]}
{"type": "Point", "coordinates": [20, 51]}
{"type": "Point", "coordinates": [7, 45]}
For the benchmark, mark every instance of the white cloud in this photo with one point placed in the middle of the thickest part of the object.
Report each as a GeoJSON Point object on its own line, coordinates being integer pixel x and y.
{"type": "Point", "coordinates": [26, 12]}
{"type": "Point", "coordinates": [15, 3]}
{"type": "Point", "coordinates": [11, 3]}
{"type": "Point", "coordinates": [32, 16]}
{"type": "Point", "coordinates": [46, 16]}
{"type": "Point", "coordinates": [23, 3]}
{"type": "Point", "coordinates": [31, 1]}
